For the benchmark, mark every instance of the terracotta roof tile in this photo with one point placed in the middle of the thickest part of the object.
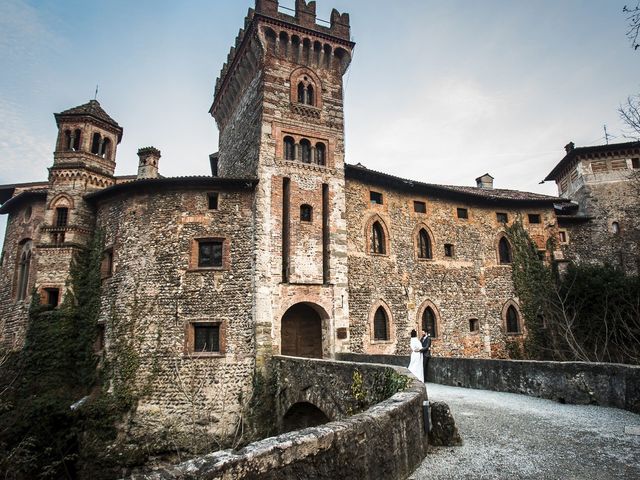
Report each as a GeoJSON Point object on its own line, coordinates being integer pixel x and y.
{"type": "Point", "coordinates": [92, 108]}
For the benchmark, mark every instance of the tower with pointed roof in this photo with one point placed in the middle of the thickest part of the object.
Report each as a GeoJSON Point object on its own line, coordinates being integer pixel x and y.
{"type": "Point", "coordinates": [84, 160]}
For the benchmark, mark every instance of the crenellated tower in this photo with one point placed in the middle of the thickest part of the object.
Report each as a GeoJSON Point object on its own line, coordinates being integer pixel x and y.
{"type": "Point", "coordinates": [278, 104]}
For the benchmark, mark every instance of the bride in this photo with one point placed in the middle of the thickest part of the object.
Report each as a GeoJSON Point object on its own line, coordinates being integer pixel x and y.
{"type": "Point", "coordinates": [415, 365]}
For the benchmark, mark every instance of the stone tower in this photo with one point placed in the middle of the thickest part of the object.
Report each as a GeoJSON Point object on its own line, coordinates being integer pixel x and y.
{"type": "Point", "coordinates": [84, 161]}
{"type": "Point", "coordinates": [279, 107]}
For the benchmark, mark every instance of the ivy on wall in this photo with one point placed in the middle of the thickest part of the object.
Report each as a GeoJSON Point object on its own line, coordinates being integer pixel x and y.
{"type": "Point", "coordinates": [585, 312]}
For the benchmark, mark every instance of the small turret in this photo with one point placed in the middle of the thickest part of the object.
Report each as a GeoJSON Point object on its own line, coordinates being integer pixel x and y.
{"type": "Point", "coordinates": [149, 162]}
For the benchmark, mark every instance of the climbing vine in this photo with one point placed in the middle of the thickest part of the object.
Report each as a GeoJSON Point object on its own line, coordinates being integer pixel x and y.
{"type": "Point", "coordinates": [587, 313]}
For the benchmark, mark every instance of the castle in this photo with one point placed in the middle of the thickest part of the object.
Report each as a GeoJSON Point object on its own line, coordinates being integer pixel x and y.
{"type": "Point", "coordinates": [285, 248]}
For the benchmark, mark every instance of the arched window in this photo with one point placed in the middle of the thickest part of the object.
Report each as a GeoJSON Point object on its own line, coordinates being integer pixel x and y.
{"type": "Point", "coordinates": [301, 93]}
{"type": "Point", "coordinates": [305, 150]}
{"type": "Point", "coordinates": [306, 213]}
{"type": "Point", "coordinates": [62, 216]}
{"type": "Point", "coordinates": [513, 320]}
{"type": "Point", "coordinates": [615, 228]}
{"type": "Point", "coordinates": [377, 239]}
{"type": "Point", "coordinates": [321, 153]}
{"type": "Point", "coordinates": [424, 244]}
{"type": "Point", "coordinates": [309, 95]}
{"type": "Point", "coordinates": [380, 325]}
{"type": "Point", "coordinates": [106, 147]}
{"type": "Point", "coordinates": [23, 270]}
{"type": "Point", "coordinates": [68, 143]}
{"type": "Point", "coordinates": [429, 322]}
{"type": "Point", "coordinates": [76, 139]}
{"type": "Point", "coordinates": [95, 144]}
{"type": "Point", "coordinates": [289, 148]}
{"type": "Point", "coordinates": [504, 251]}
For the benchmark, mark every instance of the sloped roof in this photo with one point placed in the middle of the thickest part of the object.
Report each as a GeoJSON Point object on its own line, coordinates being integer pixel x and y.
{"type": "Point", "coordinates": [159, 184]}
{"type": "Point", "coordinates": [471, 194]}
{"type": "Point", "coordinates": [92, 109]}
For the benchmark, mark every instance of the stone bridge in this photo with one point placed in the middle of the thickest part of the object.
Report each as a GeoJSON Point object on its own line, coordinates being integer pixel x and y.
{"type": "Point", "coordinates": [339, 421]}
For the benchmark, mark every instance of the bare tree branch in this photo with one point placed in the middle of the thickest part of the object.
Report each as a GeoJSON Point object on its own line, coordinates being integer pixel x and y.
{"type": "Point", "coordinates": [633, 17]}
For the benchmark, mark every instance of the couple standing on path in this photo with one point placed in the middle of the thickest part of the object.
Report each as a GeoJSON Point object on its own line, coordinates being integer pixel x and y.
{"type": "Point", "coordinates": [420, 355]}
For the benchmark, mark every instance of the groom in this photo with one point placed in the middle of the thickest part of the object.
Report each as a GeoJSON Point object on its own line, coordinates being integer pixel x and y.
{"type": "Point", "coordinates": [425, 339]}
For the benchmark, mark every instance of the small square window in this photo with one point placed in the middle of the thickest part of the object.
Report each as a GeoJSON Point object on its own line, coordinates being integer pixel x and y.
{"type": "Point", "coordinates": [534, 218]}
{"type": "Point", "coordinates": [206, 337]}
{"type": "Point", "coordinates": [502, 217]}
{"type": "Point", "coordinates": [635, 163]}
{"type": "Point", "coordinates": [375, 198]}
{"type": "Point", "coordinates": [209, 253]}
{"type": "Point", "coordinates": [474, 325]}
{"type": "Point", "coordinates": [562, 236]}
{"type": "Point", "coordinates": [419, 207]}
{"type": "Point", "coordinates": [52, 296]}
{"type": "Point", "coordinates": [213, 200]}
{"type": "Point", "coordinates": [448, 250]}
{"type": "Point", "coordinates": [463, 213]}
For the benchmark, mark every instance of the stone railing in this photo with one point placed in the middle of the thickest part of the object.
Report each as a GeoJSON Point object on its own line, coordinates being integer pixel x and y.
{"type": "Point", "coordinates": [605, 384]}
{"type": "Point", "coordinates": [386, 441]}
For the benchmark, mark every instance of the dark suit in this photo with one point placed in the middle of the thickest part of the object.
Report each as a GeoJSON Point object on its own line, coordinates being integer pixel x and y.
{"type": "Point", "coordinates": [426, 354]}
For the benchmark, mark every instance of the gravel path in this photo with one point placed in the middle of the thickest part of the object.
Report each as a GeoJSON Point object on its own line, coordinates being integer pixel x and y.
{"type": "Point", "coordinates": [509, 436]}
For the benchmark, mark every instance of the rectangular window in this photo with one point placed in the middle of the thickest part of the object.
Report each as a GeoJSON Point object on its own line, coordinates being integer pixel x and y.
{"type": "Point", "coordinates": [213, 200]}
{"type": "Point", "coordinates": [463, 213]}
{"type": "Point", "coordinates": [502, 217]}
{"type": "Point", "coordinates": [419, 207]}
{"type": "Point", "coordinates": [206, 337]}
{"type": "Point", "coordinates": [474, 325]}
{"type": "Point", "coordinates": [106, 267]}
{"type": "Point", "coordinates": [62, 217]}
{"type": "Point", "coordinates": [375, 198]}
{"type": "Point", "coordinates": [209, 253]}
{"type": "Point", "coordinates": [448, 250]}
{"type": "Point", "coordinates": [52, 296]}
{"type": "Point", "coordinates": [635, 163]}
{"type": "Point", "coordinates": [534, 218]}
{"type": "Point", "coordinates": [562, 236]}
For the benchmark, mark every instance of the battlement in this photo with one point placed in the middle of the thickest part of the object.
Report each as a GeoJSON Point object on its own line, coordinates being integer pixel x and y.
{"type": "Point", "coordinates": [305, 33]}
{"type": "Point", "coordinates": [305, 16]}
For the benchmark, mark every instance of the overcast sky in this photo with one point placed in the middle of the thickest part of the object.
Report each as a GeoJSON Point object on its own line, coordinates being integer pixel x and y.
{"type": "Point", "coordinates": [438, 91]}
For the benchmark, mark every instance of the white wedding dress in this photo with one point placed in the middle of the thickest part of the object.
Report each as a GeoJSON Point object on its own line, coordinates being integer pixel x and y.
{"type": "Point", "coordinates": [415, 365]}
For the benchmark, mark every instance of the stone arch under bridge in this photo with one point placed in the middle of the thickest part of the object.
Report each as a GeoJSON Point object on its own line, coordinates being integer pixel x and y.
{"type": "Point", "coordinates": [301, 330]}
{"type": "Point", "coordinates": [303, 415]}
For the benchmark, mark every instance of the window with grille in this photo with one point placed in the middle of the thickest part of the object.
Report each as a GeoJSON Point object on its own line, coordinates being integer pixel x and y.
{"type": "Point", "coordinates": [62, 216]}
{"type": "Point", "coordinates": [206, 337]}
{"type": "Point", "coordinates": [209, 253]}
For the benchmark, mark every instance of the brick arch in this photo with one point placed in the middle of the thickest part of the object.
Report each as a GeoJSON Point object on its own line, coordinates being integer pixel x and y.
{"type": "Point", "coordinates": [297, 75]}
{"type": "Point", "coordinates": [436, 313]}
{"type": "Point", "coordinates": [505, 308]}
{"type": "Point", "coordinates": [59, 199]}
{"type": "Point", "coordinates": [367, 234]}
{"type": "Point", "coordinates": [416, 240]}
{"type": "Point", "coordinates": [303, 329]}
{"type": "Point", "coordinates": [391, 329]}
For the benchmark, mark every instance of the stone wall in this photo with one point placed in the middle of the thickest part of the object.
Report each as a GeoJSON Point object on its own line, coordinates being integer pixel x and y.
{"type": "Point", "coordinates": [595, 241]}
{"type": "Point", "coordinates": [387, 441]}
{"type": "Point", "coordinates": [157, 293]}
{"type": "Point", "coordinates": [608, 385]}
{"type": "Point", "coordinates": [471, 284]}
{"type": "Point", "coordinates": [21, 227]}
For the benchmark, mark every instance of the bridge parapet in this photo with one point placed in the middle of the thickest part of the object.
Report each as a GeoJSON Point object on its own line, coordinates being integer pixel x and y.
{"type": "Point", "coordinates": [386, 441]}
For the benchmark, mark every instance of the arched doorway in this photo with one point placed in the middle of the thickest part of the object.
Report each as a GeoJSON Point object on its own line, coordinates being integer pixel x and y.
{"type": "Point", "coordinates": [303, 415]}
{"type": "Point", "coordinates": [301, 332]}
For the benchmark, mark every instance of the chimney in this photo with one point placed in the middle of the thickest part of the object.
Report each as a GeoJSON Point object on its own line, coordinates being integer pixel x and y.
{"type": "Point", "coordinates": [485, 181]}
{"type": "Point", "coordinates": [149, 161]}
{"type": "Point", "coordinates": [569, 147]}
